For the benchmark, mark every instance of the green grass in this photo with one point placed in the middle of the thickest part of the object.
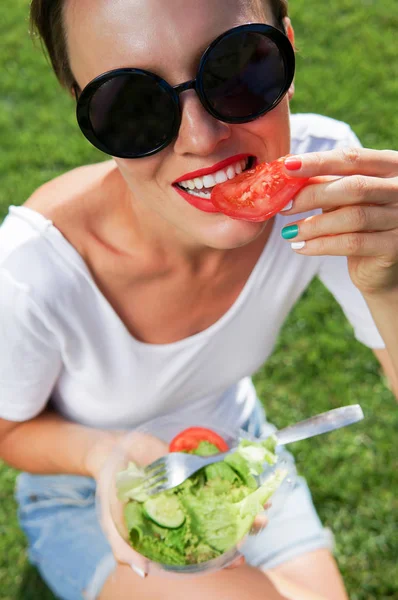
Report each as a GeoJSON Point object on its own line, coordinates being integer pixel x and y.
{"type": "Point", "coordinates": [347, 69]}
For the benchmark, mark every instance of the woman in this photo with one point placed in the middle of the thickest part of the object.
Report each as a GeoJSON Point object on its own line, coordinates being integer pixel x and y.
{"type": "Point", "coordinates": [124, 297]}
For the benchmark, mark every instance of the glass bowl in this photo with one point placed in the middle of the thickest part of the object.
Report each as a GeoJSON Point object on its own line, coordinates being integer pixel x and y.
{"type": "Point", "coordinates": [143, 445]}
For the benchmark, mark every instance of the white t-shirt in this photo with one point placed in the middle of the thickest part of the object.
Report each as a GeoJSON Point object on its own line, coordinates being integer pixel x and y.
{"type": "Point", "coordinates": [61, 339]}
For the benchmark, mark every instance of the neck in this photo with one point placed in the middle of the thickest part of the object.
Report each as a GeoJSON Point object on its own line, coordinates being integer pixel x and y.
{"type": "Point", "coordinates": [133, 229]}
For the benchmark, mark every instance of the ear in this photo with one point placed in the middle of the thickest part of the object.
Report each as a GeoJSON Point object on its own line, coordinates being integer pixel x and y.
{"type": "Point", "coordinates": [290, 34]}
{"type": "Point", "coordinates": [289, 30]}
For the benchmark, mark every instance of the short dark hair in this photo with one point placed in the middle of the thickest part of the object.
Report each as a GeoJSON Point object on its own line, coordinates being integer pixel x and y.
{"type": "Point", "coordinates": [46, 17]}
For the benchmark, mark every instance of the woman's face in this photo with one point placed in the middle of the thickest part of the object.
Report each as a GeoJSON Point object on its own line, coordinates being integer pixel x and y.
{"type": "Point", "coordinates": [168, 38]}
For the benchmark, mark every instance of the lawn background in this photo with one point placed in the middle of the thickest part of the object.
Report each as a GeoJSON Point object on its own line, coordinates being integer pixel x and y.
{"type": "Point", "coordinates": [347, 69]}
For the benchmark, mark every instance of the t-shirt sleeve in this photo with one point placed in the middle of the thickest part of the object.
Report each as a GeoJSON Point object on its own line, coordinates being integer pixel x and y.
{"type": "Point", "coordinates": [30, 359]}
{"type": "Point", "coordinates": [334, 275]}
{"type": "Point", "coordinates": [349, 140]}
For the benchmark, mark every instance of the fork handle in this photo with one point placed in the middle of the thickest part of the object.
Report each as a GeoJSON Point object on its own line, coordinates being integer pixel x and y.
{"type": "Point", "coordinates": [327, 421]}
{"type": "Point", "coordinates": [323, 423]}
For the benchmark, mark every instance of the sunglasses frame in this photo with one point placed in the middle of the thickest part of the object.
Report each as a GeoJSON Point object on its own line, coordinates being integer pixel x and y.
{"type": "Point", "coordinates": [83, 102]}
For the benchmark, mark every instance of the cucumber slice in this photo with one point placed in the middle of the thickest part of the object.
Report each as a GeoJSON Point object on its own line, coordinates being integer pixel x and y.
{"type": "Point", "coordinates": [166, 511]}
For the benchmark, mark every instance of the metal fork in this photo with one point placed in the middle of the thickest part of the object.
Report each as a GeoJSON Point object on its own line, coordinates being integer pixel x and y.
{"type": "Point", "coordinates": [169, 471]}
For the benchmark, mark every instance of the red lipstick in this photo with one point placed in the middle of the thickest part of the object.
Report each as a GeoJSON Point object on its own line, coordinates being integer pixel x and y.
{"type": "Point", "coordinates": [217, 167]}
{"type": "Point", "coordinates": [200, 203]}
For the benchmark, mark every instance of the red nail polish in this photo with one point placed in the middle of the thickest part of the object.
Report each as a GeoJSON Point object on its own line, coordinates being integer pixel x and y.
{"type": "Point", "coordinates": [293, 164]}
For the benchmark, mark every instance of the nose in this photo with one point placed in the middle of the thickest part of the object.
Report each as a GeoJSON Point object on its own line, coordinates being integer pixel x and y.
{"type": "Point", "coordinates": [200, 132]}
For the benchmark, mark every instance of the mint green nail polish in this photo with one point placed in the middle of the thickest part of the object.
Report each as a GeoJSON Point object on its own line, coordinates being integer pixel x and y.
{"type": "Point", "coordinates": [289, 232]}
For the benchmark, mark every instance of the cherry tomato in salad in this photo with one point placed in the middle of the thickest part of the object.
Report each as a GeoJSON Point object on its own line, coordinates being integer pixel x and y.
{"type": "Point", "coordinates": [257, 194]}
{"type": "Point", "coordinates": [190, 438]}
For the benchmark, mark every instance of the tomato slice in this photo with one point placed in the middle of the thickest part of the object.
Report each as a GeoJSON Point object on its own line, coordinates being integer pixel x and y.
{"type": "Point", "coordinates": [190, 438]}
{"type": "Point", "coordinates": [257, 194]}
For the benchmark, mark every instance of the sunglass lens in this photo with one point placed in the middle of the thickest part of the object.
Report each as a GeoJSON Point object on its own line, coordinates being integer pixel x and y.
{"type": "Point", "coordinates": [244, 76]}
{"type": "Point", "coordinates": [133, 115]}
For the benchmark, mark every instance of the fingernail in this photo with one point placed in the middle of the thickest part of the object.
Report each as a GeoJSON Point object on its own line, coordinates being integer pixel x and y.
{"type": "Point", "coordinates": [140, 572]}
{"type": "Point", "coordinates": [297, 245]}
{"type": "Point", "coordinates": [288, 206]}
{"type": "Point", "coordinates": [293, 163]}
{"type": "Point", "coordinates": [289, 232]}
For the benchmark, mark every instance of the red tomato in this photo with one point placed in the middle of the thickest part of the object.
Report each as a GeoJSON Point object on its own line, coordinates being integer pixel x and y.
{"type": "Point", "coordinates": [257, 194]}
{"type": "Point", "coordinates": [190, 438]}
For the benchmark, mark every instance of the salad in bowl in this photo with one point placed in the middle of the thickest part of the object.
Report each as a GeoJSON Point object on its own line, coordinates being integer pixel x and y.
{"type": "Point", "coordinates": [200, 525]}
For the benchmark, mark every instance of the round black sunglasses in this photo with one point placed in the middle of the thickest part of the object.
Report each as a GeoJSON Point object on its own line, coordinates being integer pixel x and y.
{"type": "Point", "coordinates": [243, 74]}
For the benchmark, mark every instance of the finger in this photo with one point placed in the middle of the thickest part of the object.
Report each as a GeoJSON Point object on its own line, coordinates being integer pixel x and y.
{"type": "Point", "coordinates": [122, 551]}
{"type": "Point", "coordinates": [356, 189]}
{"type": "Point", "coordinates": [383, 245]}
{"type": "Point", "coordinates": [238, 562]}
{"type": "Point", "coordinates": [260, 522]}
{"type": "Point", "coordinates": [344, 161]}
{"type": "Point", "coordinates": [348, 219]}
{"type": "Point", "coordinates": [143, 448]}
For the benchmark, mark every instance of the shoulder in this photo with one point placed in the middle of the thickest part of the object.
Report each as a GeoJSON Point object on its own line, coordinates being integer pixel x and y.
{"type": "Point", "coordinates": [69, 194]}
{"type": "Point", "coordinates": [43, 242]}
{"type": "Point", "coordinates": [311, 132]}
{"type": "Point", "coordinates": [31, 269]}
{"type": "Point", "coordinates": [70, 203]}
{"type": "Point", "coordinates": [35, 258]}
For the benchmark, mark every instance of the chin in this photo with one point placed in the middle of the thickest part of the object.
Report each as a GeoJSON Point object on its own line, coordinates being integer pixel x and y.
{"type": "Point", "coordinates": [230, 233]}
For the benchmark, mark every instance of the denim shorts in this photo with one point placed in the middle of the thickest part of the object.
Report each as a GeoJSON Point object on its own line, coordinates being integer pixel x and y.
{"type": "Point", "coordinates": [66, 543]}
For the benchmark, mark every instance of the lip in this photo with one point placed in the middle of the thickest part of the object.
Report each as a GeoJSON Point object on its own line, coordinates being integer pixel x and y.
{"type": "Point", "coordinates": [201, 203]}
{"type": "Point", "coordinates": [209, 170]}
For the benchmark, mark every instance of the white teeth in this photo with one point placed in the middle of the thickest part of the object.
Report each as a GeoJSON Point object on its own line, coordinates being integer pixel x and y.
{"type": "Point", "coordinates": [231, 172]}
{"type": "Point", "coordinates": [206, 195]}
{"type": "Point", "coordinates": [220, 177]}
{"type": "Point", "coordinates": [198, 183]}
{"type": "Point", "coordinates": [209, 181]}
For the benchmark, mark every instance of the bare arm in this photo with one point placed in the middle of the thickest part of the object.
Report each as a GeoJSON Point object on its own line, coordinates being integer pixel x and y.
{"type": "Point", "coordinates": [384, 309]}
{"type": "Point", "coordinates": [49, 444]}
{"type": "Point", "coordinates": [384, 359]}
